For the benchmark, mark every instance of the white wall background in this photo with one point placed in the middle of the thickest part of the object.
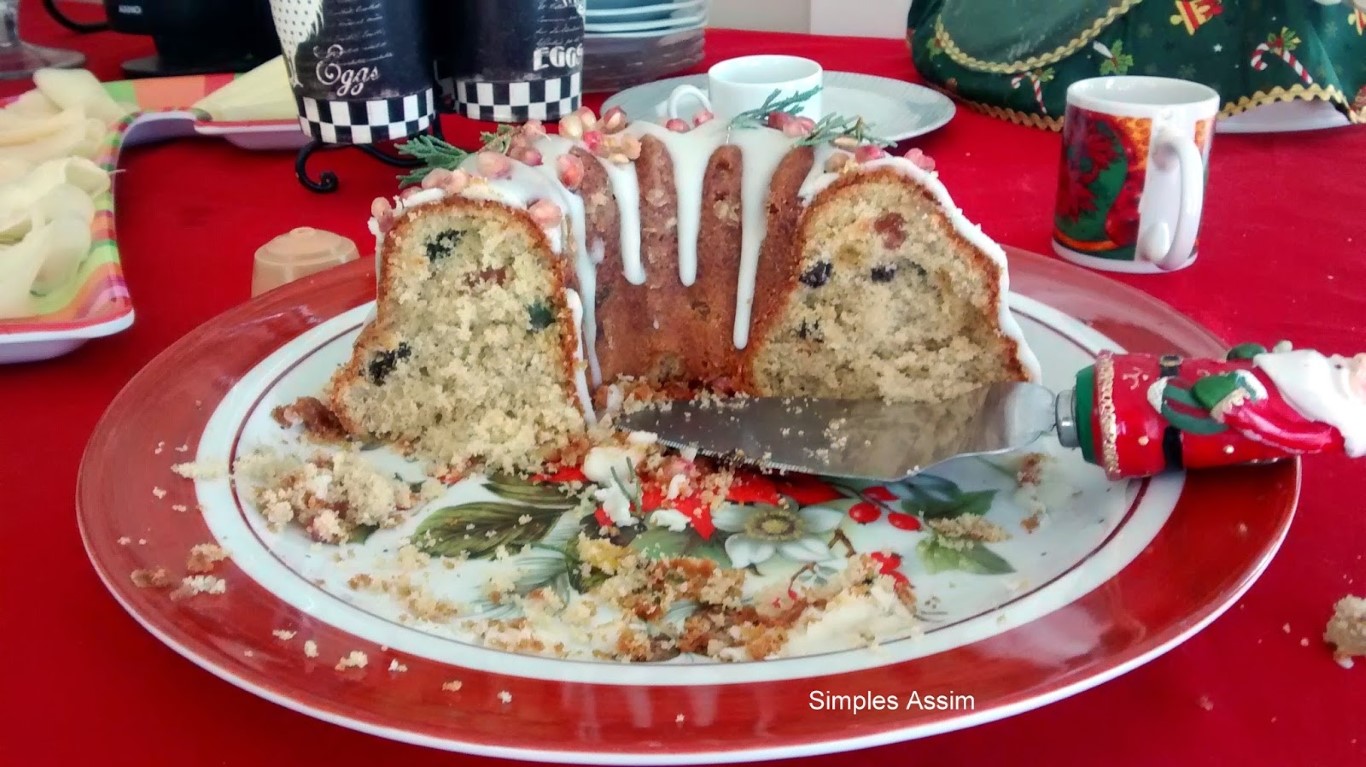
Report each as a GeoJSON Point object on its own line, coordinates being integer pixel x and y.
{"type": "Point", "coordinates": [860, 18]}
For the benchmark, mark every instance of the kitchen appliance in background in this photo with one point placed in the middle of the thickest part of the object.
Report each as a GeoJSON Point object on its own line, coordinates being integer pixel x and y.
{"type": "Point", "coordinates": [196, 36]}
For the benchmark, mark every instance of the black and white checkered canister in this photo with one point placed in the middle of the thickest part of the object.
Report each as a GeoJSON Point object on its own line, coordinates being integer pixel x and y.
{"type": "Point", "coordinates": [367, 122]}
{"type": "Point", "coordinates": [548, 99]}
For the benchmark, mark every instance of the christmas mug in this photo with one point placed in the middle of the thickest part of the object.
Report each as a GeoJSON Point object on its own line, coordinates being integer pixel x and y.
{"type": "Point", "coordinates": [746, 83]}
{"type": "Point", "coordinates": [1131, 184]}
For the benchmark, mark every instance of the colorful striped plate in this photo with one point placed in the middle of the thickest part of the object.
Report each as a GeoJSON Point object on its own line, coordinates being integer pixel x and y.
{"type": "Point", "coordinates": [96, 302]}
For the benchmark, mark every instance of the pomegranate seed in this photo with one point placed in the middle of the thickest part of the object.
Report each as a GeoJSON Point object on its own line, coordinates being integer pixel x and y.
{"type": "Point", "coordinates": [593, 140]}
{"type": "Point", "coordinates": [864, 512]}
{"type": "Point", "coordinates": [879, 493]}
{"type": "Point", "coordinates": [546, 213]}
{"type": "Point", "coordinates": [703, 117]}
{"type": "Point", "coordinates": [570, 171]}
{"type": "Point", "coordinates": [493, 165]}
{"type": "Point", "coordinates": [528, 156]}
{"type": "Point", "coordinates": [779, 120]}
{"type": "Point", "coordinates": [587, 117]}
{"type": "Point", "coordinates": [799, 127]}
{"type": "Point", "coordinates": [533, 129]}
{"type": "Point", "coordinates": [600, 514]}
{"type": "Point", "coordinates": [903, 521]}
{"type": "Point", "coordinates": [868, 152]}
{"type": "Point", "coordinates": [436, 178]}
{"type": "Point", "coordinates": [457, 182]}
{"type": "Point", "coordinates": [677, 126]}
{"type": "Point", "coordinates": [571, 127]}
{"type": "Point", "coordinates": [919, 159]}
{"type": "Point", "coordinates": [381, 207]}
{"type": "Point", "coordinates": [614, 120]}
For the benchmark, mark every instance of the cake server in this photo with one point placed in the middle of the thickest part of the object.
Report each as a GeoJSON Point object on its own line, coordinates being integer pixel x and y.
{"type": "Point", "coordinates": [1132, 414]}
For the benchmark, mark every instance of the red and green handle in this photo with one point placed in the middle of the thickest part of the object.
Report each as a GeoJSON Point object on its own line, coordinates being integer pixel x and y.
{"type": "Point", "coordinates": [1137, 415]}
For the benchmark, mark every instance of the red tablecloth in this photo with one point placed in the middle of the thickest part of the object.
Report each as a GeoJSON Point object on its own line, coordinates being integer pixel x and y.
{"type": "Point", "coordinates": [1284, 255]}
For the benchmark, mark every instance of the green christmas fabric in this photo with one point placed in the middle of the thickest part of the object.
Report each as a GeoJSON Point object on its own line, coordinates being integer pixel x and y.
{"type": "Point", "coordinates": [1015, 58]}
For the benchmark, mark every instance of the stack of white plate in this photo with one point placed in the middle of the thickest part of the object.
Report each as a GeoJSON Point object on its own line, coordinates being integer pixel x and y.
{"type": "Point", "coordinates": [628, 42]}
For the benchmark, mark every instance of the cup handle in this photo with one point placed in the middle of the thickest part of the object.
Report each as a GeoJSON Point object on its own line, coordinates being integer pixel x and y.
{"type": "Point", "coordinates": [1156, 243]}
{"type": "Point", "coordinates": [685, 92]}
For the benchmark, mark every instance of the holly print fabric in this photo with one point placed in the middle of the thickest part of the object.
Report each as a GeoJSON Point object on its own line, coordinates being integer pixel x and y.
{"type": "Point", "coordinates": [1015, 58]}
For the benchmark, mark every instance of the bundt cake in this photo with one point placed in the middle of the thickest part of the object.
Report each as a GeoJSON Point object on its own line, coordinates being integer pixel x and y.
{"type": "Point", "coordinates": [523, 291]}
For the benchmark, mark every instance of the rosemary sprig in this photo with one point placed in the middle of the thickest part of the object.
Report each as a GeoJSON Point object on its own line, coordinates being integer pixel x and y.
{"type": "Point", "coordinates": [499, 141]}
{"type": "Point", "coordinates": [434, 153]}
{"type": "Point", "coordinates": [826, 130]}
{"type": "Point", "coordinates": [758, 118]}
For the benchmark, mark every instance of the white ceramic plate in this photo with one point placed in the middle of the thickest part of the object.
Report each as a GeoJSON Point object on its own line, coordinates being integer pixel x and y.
{"type": "Point", "coordinates": [1284, 117]}
{"type": "Point", "coordinates": [656, 11]}
{"type": "Point", "coordinates": [897, 110]}
{"type": "Point", "coordinates": [676, 22]}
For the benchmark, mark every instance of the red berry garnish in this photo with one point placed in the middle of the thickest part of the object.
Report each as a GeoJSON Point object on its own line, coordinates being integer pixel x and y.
{"type": "Point", "coordinates": [903, 521]}
{"type": "Point", "coordinates": [600, 514]}
{"type": "Point", "coordinates": [806, 490]}
{"type": "Point", "coordinates": [879, 493]}
{"type": "Point", "coordinates": [864, 512]}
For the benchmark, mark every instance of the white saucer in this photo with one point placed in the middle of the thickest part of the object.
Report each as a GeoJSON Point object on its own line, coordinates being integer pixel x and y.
{"type": "Point", "coordinates": [1284, 117]}
{"type": "Point", "coordinates": [897, 110]}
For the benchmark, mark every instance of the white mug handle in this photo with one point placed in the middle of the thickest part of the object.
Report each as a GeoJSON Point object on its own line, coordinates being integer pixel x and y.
{"type": "Point", "coordinates": [685, 92]}
{"type": "Point", "coordinates": [1156, 242]}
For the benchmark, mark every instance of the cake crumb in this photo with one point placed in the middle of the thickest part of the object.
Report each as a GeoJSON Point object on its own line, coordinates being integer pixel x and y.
{"type": "Point", "coordinates": [1346, 630]}
{"type": "Point", "coordinates": [142, 541]}
{"type": "Point", "coordinates": [310, 649]}
{"type": "Point", "coordinates": [397, 667]}
{"type": "Point", "coordinates": [205, 557]}
{"type": "Point", "coordinates": [353, 659]}
{"type": "Point", "coordinates": [192, 585]}
{"type": "Point", "coordinates": [198, 470]}
{"type": "Point", "coordinates": [283, 635]}
{"type": "Point", "coordinates": [1286, 628]}
{"type": "Point", "coordinates": [679, 719]}
{"type": "Point", "coordinates": [159, 493]}
{"type": "Point", "coordinates": [452, 686]}
{"type": "Point", "coordinates": [183, 449]}
{"type": "Point", "coordinates": [156, 578]}
{"type": "Point", "coordinates": [157, 449]}
{"type": "Point", "coordinates": [124, 540]}
{"type": "Point", "coordinates": [505, 696]}
{"type": "Point", "coordinates": [179, 507]}
{"type": "Point", "coordinates": [1206, 703]}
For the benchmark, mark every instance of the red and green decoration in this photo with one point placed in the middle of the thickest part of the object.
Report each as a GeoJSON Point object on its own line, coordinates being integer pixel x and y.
{"type": "Point", "coordinates": [1016, 60]}
{"type": "Point", "coordinates": [1100, 182]}
{"type": "Point", "coordinates": [1141, 414]}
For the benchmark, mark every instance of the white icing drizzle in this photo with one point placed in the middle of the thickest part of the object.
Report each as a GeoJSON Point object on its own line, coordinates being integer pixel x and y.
{"type": "Point", "coordinates": [626, 188]}
{"type": "Point", "coordinates": [762, 150]}
{"type": "Point", "coordinates": [580, 381]}
{"type": "Point", "coordinates": [690, 153]}
{"type": "Point", "coordinates": [818, 180]}
{"type": "Point", "coordinates": [585, 262]}
{"type": "Point", "coordinates": [1320, 389]}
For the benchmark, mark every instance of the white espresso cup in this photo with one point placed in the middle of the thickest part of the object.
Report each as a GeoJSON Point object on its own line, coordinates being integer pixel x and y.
{"type": "Point", "coordinates": [1132, 184]}
{"type": "Point", "coordinates": [741, 84]}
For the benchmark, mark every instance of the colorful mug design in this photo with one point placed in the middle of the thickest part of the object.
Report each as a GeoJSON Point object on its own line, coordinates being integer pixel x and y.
{"type": "Point", "coordinates": [1132, 177]}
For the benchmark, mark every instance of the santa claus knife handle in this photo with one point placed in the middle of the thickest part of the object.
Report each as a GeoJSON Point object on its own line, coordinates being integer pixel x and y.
{"type": "Point", "coordinates": [1138, 415]}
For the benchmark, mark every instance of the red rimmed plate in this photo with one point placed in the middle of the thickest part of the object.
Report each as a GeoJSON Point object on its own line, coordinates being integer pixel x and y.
{"type": "Point", "coordinates": [1133, 592]}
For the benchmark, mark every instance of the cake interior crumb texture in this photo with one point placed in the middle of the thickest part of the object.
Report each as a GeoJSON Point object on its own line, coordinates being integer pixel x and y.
{"type": "Point", "coordinates": [471, 355]}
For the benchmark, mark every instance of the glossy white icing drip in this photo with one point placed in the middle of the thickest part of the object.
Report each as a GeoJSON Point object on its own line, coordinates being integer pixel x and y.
{"type": "Point", "coordinates": [762, 150]}
{"type": "Point", "coordinates": [626, 187]}
{"type": "Point", "coordinates": [580, 381]}
{"type": "Point", "coordinates": [1320, 389]}
{"type": "Point", "coordinates": [973, 234]}
{"type": "Point", "coordinates": [585, 263]}
{"type": "Point", "coordinates": [690, 152]}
